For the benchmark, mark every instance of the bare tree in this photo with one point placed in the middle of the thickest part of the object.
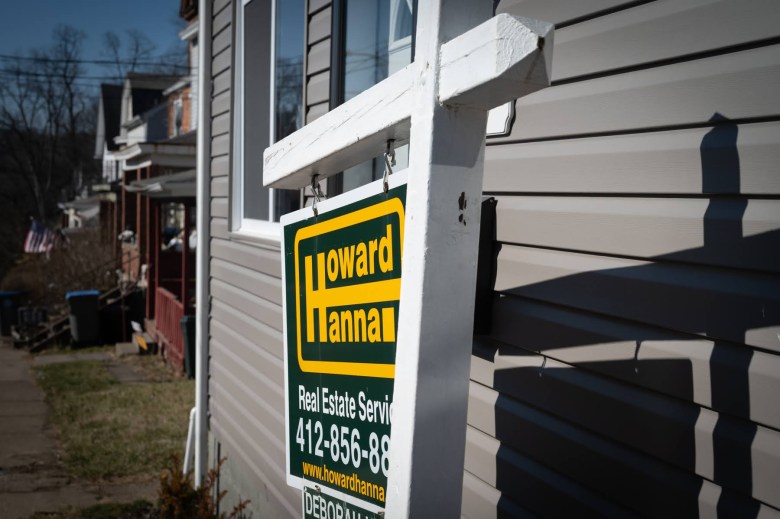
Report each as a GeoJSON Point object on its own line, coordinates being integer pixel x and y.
{"type": "Point", "coordinates": [136, 53]}
{"type": "Point", "coordinates": [44, 123]}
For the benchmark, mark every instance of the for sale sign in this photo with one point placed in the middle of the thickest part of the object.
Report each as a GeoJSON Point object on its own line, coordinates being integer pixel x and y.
{"type": "Point", "coordinates": [342, 282]}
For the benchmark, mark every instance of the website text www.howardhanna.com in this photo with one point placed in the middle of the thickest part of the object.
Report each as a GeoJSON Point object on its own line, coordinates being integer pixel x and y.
{"type": "Point", "coordinates": [353, 483]}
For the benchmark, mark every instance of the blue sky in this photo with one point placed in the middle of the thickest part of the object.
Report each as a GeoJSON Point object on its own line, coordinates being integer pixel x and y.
{"type": "Point", "coordinates": [29, 24]}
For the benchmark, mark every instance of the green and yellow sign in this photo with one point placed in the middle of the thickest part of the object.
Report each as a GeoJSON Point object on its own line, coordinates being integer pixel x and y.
{"type": "Point", "coordinates": [342, 282]}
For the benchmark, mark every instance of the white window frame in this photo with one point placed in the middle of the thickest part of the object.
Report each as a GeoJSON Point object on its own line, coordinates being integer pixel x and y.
{"type": "Point", "coordinates": [242, 226]}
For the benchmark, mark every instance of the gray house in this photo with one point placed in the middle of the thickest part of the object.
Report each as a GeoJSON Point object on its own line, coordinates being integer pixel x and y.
{"type": "Point", "coordinates": [629, 365]}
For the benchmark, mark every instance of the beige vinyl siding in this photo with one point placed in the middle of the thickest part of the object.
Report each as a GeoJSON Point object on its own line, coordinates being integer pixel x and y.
{"type": "Point", "coordinates": [633, 359]}
{"type": "Point", "coordinates": [318, 52]}
{"type": "Point", "coordinates": [246, 403]}
{"type": "Point", "coordinates": [632, 368]}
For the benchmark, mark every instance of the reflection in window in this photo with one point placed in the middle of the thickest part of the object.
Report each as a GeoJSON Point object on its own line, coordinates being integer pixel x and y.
{"type": "Point", "coordinates": [288, 85]}
{"type": "Point", "coordinates": [378, 43]}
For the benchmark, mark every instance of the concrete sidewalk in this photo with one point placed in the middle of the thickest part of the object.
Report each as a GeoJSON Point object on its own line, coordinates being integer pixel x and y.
{"type": "Point", "coordinates": [32, 478]}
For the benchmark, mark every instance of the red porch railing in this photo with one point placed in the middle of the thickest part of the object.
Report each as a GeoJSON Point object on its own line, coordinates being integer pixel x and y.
{"type": "Point", "coordinates": [168, 314]}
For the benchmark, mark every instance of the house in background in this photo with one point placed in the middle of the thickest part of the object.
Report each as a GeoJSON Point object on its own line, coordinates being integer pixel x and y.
{"type": "Point", "coordinates": [632, 362]}
{"type": "Point", "coordinates": [147, 139]}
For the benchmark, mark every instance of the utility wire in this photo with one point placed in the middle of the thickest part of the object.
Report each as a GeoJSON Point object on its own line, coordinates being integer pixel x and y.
{"type": "Point", "coordinates": [91, 61]}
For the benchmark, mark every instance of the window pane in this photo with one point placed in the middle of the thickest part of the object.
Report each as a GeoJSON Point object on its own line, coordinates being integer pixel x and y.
{"type": "Point", "coordinates": [257, 95]}
{"type": "Point", "coordinates": [288, 93]}
{"type": "Point", "coordinates": [378, 43]}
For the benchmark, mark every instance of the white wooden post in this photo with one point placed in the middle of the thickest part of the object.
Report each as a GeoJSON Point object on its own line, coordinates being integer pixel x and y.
{"type": "Point", "coordinates": [439, 103]}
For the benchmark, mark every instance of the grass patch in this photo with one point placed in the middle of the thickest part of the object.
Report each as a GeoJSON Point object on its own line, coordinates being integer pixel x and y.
{"type": "Point", "coordinates": [64, 350]}
{"type": "Point", "coordinates": [110, 430]}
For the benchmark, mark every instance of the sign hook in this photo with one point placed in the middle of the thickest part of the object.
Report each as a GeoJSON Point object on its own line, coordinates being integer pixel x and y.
{"type": "Point", "coordinates": [316, 191]}
{"type": "Point", "coordinates": [389, 162]}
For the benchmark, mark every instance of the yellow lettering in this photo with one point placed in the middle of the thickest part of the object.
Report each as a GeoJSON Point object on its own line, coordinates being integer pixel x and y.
{"type": "Point", "coordinates": [334, 334]}
{"type": "Point", "coordinates": [373, 326]}
{"type": "Point", "coordinates": [360, 268]}
{"type": "Point", "coordinates": [386, 251]}
{"type": "Point", "coordinates": [372, 246]}
{"type": "Point", "coordinates": [346, 261]}
{"type": "Point", "coordinates": [346, 326]}
{"type": "Point", "coordinates": [360, 325]}
{"type": "Point", "coordinates": [333, 265]}
{"type": "Point", "coordinates": [388, 324]}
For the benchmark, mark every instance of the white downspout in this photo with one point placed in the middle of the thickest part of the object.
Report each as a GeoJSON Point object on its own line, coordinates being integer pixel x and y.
{"type": "Point", "coordinates": [205, 17]}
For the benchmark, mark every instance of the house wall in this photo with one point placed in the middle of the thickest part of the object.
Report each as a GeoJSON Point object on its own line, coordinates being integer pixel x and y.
{"type": "Point", "coordinates": [632, 367]}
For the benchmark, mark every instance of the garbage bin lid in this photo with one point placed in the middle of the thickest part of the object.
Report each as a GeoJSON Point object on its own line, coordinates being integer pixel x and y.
{"type": "Point", "coordinates": [82, 293]}
{"type": "Point", "coordinates": [10, 293]}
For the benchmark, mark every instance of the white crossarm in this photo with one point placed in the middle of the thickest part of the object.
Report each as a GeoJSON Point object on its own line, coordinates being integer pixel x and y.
{"type": "Point", "coordinates": [497, 61]}
{"type": "Point", "coordinates": [501, 59]}
{"type": "Point", "coordinates": [351, 133]}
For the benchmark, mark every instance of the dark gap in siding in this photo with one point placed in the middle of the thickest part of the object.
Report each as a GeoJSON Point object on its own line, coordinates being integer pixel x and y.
{"type": "Point", "coordinates": [596, 194]}
{"type": "Point", "coordinates": [665, 259]}
{"type": "Point", "coordinates": [311, 43]}
{"type": "Point", "coordinates": [634, 131]}
{"type": "Point", "coordinates": [711, 53]}
{"type": "Point", "coordinates": [317, 11]}
{"type": "Point", "coordinates": [603, 12]}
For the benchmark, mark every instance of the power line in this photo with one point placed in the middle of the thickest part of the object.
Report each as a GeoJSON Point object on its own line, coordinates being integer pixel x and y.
{"type": "Point", "coordinates": [93, 61]}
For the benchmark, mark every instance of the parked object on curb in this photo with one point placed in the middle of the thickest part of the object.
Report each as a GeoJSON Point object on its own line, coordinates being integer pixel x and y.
{"type": "Point", "coordinates": [84, 317]}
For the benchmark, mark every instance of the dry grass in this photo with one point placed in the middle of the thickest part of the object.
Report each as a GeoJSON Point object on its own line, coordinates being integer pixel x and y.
{"type": "Point", "coordinates": [113, 431]}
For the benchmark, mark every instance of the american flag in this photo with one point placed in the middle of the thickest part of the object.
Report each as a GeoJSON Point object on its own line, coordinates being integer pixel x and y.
{"type": "Point", "coordinates": [39, 238]}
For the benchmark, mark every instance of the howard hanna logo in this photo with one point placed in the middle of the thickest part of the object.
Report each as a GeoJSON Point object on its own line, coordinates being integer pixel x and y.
{"type": "Point", "coordinates": [347, 287]}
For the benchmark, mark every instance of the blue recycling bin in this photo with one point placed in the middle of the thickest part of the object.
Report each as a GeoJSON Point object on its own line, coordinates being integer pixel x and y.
{"type": "Point", "coordinates": [84, 317]}
{"type": "Point", "coordinates": [9, 306]}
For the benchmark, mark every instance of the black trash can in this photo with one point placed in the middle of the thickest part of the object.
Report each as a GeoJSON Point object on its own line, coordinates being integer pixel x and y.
{"type": "Point", "coordinates": [9, 306]}
{"type": "Point", "coordinates": [84, 317]}
{"type": "Point", "coordinates": [188, 334]}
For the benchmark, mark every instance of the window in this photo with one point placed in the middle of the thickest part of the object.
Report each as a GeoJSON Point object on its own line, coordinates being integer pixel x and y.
{"type": "Point", "coordinates": [377, 43]}
{"type": "Point", "coordinates": [267, 106]}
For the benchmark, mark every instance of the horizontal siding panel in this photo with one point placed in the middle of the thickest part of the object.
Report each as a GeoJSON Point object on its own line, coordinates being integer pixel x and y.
{"type": "Point", "coordinates": [316, 111]}
{"type": "Point", "coordinates": [255, 332]}
{"type": "Point", "coordinates": [220, 187]}
{"type": "Point", "coordinates": [252, 390]}
{"type": "Point", "coordinates": [258, 308]}
{"type": "Point", "coordinates": [482, 501]}
{"type": "Point", "coordinates": [680, 94]}
{"type": "Point", "coordinates": [220, 125]}
{"type": "Point", "coordinates": [221, 21]}
{"type": "Point", "coordinates": [237, 443]}
{"type": "Point", "coordinates": [219, 228]}
{"type": "Point", "coordinates": [261, 285]}
{"type": "Point", "coordinates": [219, 207]}
{"type": "Point", "coordinates": [720, 304]}
{"type": "Point", "coordinates": [220, 145]}
{"type": "Point", "coordinates": [631, 479]}
{"type": "Point", "coordinates": [319, 26]}
{"type": "Point", "coordinates": [254, 257]}
{"type": "Point", "coordinates": [682, 229]}
{"type": "Point", "coordinates": [659, 31]}
{"type": "Point", "coordinates": [728, 159]}
{"type": "Point", "coordinates": [220, 103]}
{"type": "Point", "coordinates": [261, 363]}
{"type": "Point", "coordinates": [219, 5]}
{"type": "Point", "coordinates": [319, 57]}
{"type": "Point", "coordinates": [316, 5]}
{"type": "Point", "coordinates": [538, 488]}
{"type": "Point", "coordinates": [220, 61]}
{"type": "Point", "coordinates": [221, 82]}
{"type": "Point", "coordinates": [673, 364]}
{"type": "Point", "coordinates": [683, 435]}
{"type": "Point", "coordinates": [318, 88]}
{"type": "Point", "coordinates": [225, 402]}
{"type": "Point", "coordinates": [558, 12]}
{"type": "Point", "coordinates": [221, 43]}
{"type": "Point", "coordinates": [220, 166]}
